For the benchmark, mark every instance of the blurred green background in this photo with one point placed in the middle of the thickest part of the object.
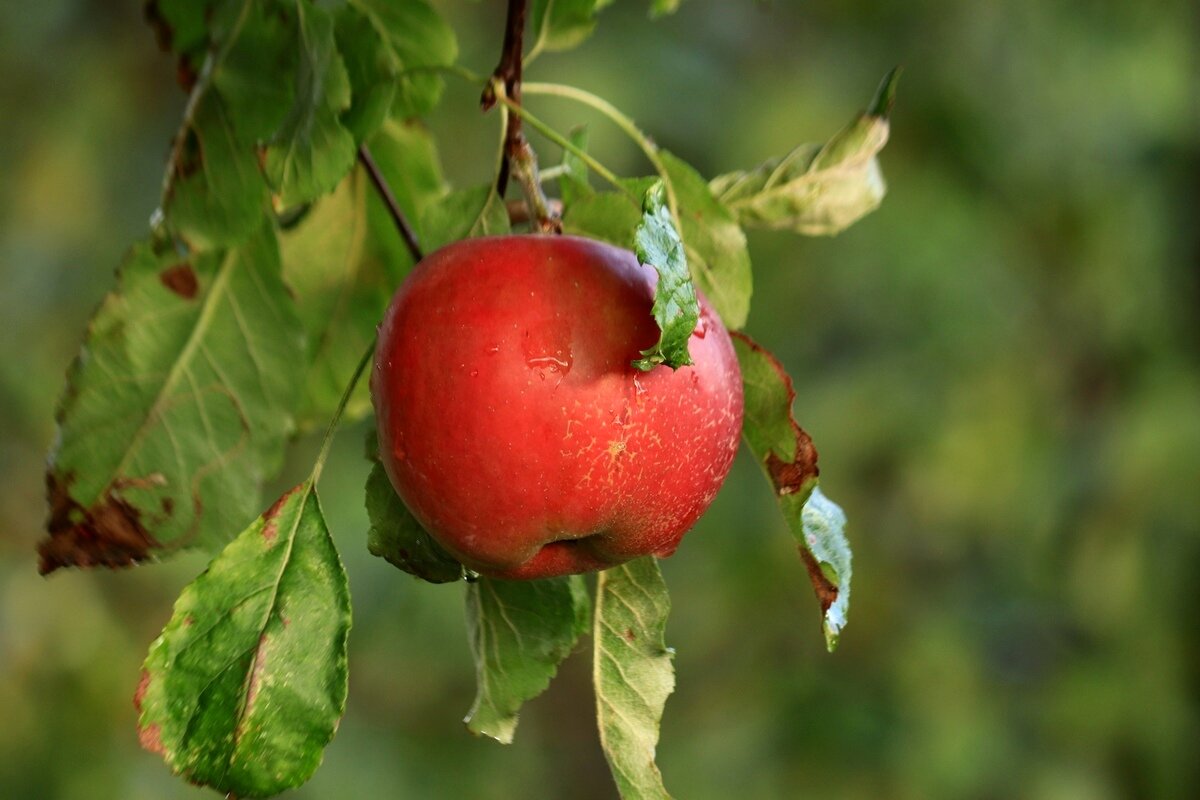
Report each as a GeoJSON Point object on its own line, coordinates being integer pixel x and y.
{"type": "Point", "coordinates": [1001, 368]}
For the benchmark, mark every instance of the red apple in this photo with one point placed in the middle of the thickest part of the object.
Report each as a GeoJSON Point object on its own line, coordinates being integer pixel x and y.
{"type": "Point", "coordinates": [513, 425]}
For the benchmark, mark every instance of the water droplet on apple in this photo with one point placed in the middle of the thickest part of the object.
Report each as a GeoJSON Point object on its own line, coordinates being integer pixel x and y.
{"type": "Point", "coordinates": [701, 328]}
{"type": "Point", "coordinates": [491, 351]}
{"type": "Point", "coordinates": [474, 373]}
{"type": "Point", "coordinates": [560, 363]}
{"type": "Point", "coordinates": [547, 348]}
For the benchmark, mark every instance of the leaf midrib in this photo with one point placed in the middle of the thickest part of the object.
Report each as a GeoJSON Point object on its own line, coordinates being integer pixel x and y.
{"type": "Point", "coordinates": [207, 311]}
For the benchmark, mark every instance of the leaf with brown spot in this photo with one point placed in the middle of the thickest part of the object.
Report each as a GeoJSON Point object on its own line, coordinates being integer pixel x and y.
{"type": "Point", "coordinates": [176, 409]}
{"type": "Point", "coordinates": [215, 192]}
{"type": "Point", "coordinates": [246, 684]}
{"type": "Point", "coordinates": [789, 459]}
{"type": "Point", "coordinates": [180, 279]}
{"type": "Point", "coordinates": [109, 534]}
{"type": "Point", "coordinates": [180, 27]}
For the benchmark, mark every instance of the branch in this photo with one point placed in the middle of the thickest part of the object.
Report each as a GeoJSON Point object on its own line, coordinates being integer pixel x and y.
{"type": "Point", "coordinates": [508, 72]}
{"type": "Point", "coordinates": [389, 199]}
{"type": "Point", "coordinates": [519, 161]}
{"type": "Point", "coordinates": [518, 210]}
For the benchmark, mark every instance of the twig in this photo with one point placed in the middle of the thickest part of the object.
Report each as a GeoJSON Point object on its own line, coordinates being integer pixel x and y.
{"type": "Point", "coordinates": [389, 199]}
{"type": "Point", "coordinates": [518, 160]}
{"type": "Point", "coordinates": [518, 210]}
{"type": "Point", "coordinates": [508, 72]}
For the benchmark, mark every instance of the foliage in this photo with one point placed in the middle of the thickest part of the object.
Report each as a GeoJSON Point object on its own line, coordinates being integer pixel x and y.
{"type": "Point", "coordinates": [1000, 367]}
{"type": "Point", "coordinates": [266, 254]}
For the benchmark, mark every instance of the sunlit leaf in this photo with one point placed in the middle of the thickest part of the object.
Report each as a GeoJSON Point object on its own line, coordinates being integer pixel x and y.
{"type": "Point", "coordinates": [520, 631]}
{"type": "Point", "coordinates": [789, 459]}
{"type": "Point", "coordinates": [177, 407]}
{"type": "Point", "coordinates": [311, 151]}
{"type": "Point", "coordinates": [676, 309]}
{"type": "Point", "coordinates": [563, 24]}
{"type": "Point", "coordinates": [340, 296]}
{"type": "Point", "coordinates": [246, 684]}
{"type": "Point", "coordinates": [397, 537]}
{"type": "Point", "coordinates": [715, 244]}
{"type": "Point", "coordinates": [632, 673]}
{"type": "Point", "coordinates": [824, 525]}
{"type": "Point", "coordinates": [817, 189]}
{"type": "Point", "coordinates": [659, 8]}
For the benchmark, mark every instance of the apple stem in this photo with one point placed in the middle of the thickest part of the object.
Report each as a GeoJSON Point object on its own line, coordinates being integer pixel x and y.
{"type": "Point", "coordinates": [627, 126]}
{"type": "Point", "coordinates": [566, 144]}
{"type": "Point", "coordinates": [385, 192]}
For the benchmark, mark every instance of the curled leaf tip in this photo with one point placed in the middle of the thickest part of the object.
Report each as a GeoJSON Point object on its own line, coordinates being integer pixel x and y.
{"type": "Point", "coordinates": [885, 96]}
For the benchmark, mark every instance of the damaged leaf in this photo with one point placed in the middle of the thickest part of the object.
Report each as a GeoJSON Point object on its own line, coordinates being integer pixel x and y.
{"type": "Point", "coordinates": [180, 27]}
{"type": "Point", "coordinates": [676, 309]}
{"type": "Point", "coordinates": [818, 190]}
{"type": "Point", "coordinates": [789, 459]}
{"type": "Point", "coordinates": [176, 408]}
{"type": "Point", "coordinates": [715, 244]}
{"type": "Point", "coordinates": [245, 686]}
{"type": "Point", "coordinates": [215, 192]}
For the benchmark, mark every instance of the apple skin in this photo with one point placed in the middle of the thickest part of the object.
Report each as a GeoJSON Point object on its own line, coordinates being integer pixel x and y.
{"type": "Point", "coordinates": [513, 425]}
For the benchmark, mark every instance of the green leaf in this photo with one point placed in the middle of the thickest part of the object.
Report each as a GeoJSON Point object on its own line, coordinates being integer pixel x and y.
{"type": "Point", "coordinates": [676, 310]}
{"type": "Point", "coordinates": [818, 190]}
{"type": "Point", "coordinates": [563, 24]}
{"type": "Point", "coordinates": [462, 215]}
{"type": "Point", "coordinates": [246, 684]}
{"type": "Point", "coordinates": [344, 260]}
{"type": "Point", "coordinates": [311, 151]}
{"type": "Point", "coordinates": [660, 8]}
{"type": "Point", "coordinates": [397, 537]}
{"type": "Point", "coordinates": [573, 183]}
{"type": "Point", "coordinates": [406, 154]}
{"type": "Point", "coordinates": [789, 459]}
{"type": "Point", "coordinates": [340, 295]}
{"type": "Point", "coordinates": [180, 26]}
{"type": "Point", "coordinates": [177, 407]}
{"type": "Point", "coordinates": [825, 537]}
{"type": "Point", "coordinates": [215, 192]}
{"type": "Point", "coordinates": [372, 67]}
{"type": "Point", "coordinates": [715, 244]}
{"type": "Point", "coordinates": [611, 217]}
{"type": "Point", "coordinates": [417, 37]}
{"type": "Point", "coordinates": [520, 631]}
{"type": "Point", "coordinates": [632, 673]}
